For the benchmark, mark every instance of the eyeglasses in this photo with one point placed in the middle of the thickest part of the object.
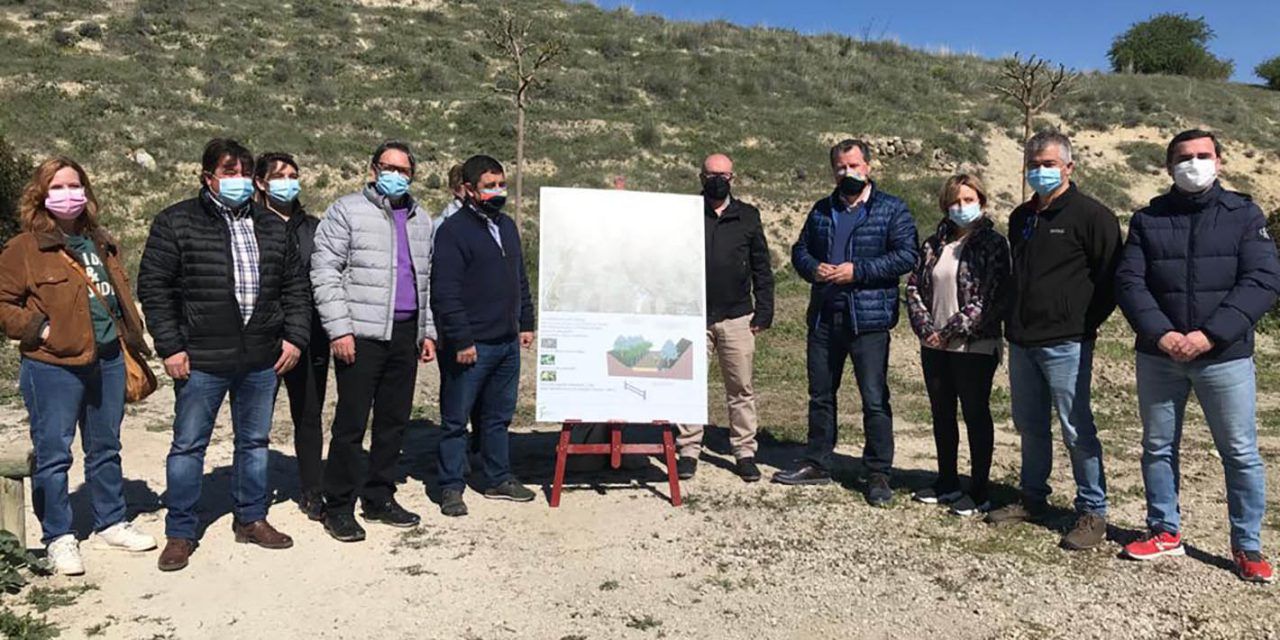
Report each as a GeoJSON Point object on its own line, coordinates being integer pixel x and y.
{"type": "Point", "coordinates": [404, 171]}
{"type": "Point", "coordinates": [727, 175]}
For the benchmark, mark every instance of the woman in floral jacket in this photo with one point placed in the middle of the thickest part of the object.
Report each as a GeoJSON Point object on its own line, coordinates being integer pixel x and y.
{"type": "Point", "coordinates": [955, 299]}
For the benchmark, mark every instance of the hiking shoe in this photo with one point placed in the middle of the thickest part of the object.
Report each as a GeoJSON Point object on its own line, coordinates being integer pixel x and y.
{"type": "Point", "coordinates": [1021, 511]}
{"type": "Point", "coordinates": [1251, 566]}
{"type": "Point", "coordinates": [312, 505]}
{"type": "Point", "coordinates": [64, 554]}
{"type": "Point", "coordinates": [1089, 531]}
{"type": "Point", "coordinates": [932, 496]}
{"type": "Point", "coordinates": [878, 492]}
{"type": "Point", "coordinates": [807, 474]}
{"type": "Point", "coordinates": [686, 467]}
{"type": "Point", "coordinates": [125, 537]}
{"type": "Point", "coordinates": [966, 507]}
{"type": "Point", "coordinates": [343, 527]}
{"type": "Point", "coordinates": [388, 512]}
{"type": "Point", "coordinates": [451, 503]}
{"type": "Point", "coordinates": [509, 490]}
{"type": "Point", "coordinates": [1155, 545]}
{"type": "Point", "coordinates": [747, 470]}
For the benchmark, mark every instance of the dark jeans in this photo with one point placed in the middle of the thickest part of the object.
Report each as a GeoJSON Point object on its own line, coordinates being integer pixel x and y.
{"type": "Point", "coordinates": [306, 387]}
{"type": "Point", "coordinates": [381, 379]}
{"type": "Point", "coordinates": [196, 403]}
{"type": "Point", "coordinates": [486, 390]}
{"type": "Point", "coordinates": [58, 398]}
{"type": "Point", "coordinates": [831, 342]}
{"type": "Point", "coordinates": [948, 377]}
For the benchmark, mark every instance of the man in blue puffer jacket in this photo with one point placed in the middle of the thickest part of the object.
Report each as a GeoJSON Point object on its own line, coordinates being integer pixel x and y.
{"type": "Point", "coordinates": [1198, 272]}
{"type": "Point", "coordinates": [854, 246]}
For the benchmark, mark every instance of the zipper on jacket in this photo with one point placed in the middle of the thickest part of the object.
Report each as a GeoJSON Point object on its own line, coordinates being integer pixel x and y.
{"type": "Point", "coordinates": [1191, 248]}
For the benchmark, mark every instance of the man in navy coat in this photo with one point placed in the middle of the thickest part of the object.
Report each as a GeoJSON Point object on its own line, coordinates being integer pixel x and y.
{"type": "Point", "coordinates": [1199, 270]}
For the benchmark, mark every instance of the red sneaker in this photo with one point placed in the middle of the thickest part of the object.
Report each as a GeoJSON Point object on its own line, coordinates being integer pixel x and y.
{"type": "Point", "coordinates": [1252, 567]}
{"type": "Point", "coordinates": [1155, 545]}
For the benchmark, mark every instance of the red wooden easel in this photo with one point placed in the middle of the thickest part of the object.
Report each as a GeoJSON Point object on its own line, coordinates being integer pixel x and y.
{"type": "Point", "coordinates": [615, 449]}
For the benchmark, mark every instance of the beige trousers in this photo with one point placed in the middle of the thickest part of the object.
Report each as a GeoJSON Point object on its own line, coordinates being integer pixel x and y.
{"type": "Point", "coordinates": [735, 345]}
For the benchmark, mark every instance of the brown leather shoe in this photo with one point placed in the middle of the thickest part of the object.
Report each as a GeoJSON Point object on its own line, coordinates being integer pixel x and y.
{"type": "Point", "coordinates": [262, 534]}
{"type": "Point", "coordinates": [175, 554]}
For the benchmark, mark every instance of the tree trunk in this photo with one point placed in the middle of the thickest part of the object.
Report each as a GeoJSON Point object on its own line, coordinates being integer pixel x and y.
{"type": "Point", "coordinates": [1026, 135]}
{"type": "Point", "coordinates": [519, 164]}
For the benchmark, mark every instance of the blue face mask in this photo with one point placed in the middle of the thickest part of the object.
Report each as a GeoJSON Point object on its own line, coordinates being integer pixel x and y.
{"type": "Point", "coordinates": [234, 192]}
{"type": "Point", "coordinates": [392, 184]}
{"type": "Point", "coordinates": [1045, 180]}
{"type": "Point", "coordinates": [284, 189]}
{"type": "Point", "coordinates": [964, 215]}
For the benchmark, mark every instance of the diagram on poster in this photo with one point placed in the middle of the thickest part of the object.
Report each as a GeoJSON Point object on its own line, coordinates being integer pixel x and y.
{"type": "Point", "coordinates": [622, 307]}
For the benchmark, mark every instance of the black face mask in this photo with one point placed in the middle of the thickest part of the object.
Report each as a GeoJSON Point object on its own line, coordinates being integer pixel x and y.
{"type": "Point", "coordinates": [716, 188]}
{"type": "Point", "coordinates": [492, 206]}
{"type": "Point", "coordinates": [851, 186]}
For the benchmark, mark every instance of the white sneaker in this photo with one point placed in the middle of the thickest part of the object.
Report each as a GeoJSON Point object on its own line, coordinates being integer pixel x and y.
{"type": "Point", "coordinates": [930, 496]}
{"type": "Point", "coordinates": [125, 537]}
{"type": "Point", "coordinates": [64, 555]}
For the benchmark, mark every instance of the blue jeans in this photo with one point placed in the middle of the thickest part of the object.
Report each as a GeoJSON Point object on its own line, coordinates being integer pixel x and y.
{"type": "Point", "coordinates": [1227, 392]}
{"type": "Point", "coordinates": [489, 387]}
{"type": "Point", "coordinates": [196, 405]}
{"type": "Point", "coordinates": [58, 398]}
{"type": "Point", "coordinates": [831, 343]}
{"type": "Point", "coordinates": [1057, 378]}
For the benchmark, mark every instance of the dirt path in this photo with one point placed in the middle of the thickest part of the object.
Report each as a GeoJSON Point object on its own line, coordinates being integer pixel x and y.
{"type": "Point", "coordinates": [738, 561]}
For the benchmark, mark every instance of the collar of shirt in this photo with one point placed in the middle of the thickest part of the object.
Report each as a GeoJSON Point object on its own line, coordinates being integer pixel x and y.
{"type": "Point", "coordinates": [843, 205]}
{"type": "Point", "coordinates": [724, 207]}
{"type": "Point", "coordinates": [237, 214]}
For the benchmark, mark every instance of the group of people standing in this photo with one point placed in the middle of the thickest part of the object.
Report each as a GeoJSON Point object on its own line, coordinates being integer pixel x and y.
{"type": "Point", "coordinates": [1196, 273]}
{"type": "Point", "coordinates": [242, 288]}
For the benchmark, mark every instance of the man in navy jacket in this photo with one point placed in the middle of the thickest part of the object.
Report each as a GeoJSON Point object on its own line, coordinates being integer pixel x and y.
{"type": "Point", "coordinates": [854, 246]}
{"type": "Point", "coordinates": [1198, 272]}
{"type": "Point", "coordinates": [484, 315]}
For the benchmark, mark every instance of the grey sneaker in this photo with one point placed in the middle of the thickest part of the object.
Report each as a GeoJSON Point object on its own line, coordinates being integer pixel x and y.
{"type": "Point", "coordinates": [451, 503]}
{"type": "Point", "coordinates": [510, 490]}
{"type": "Point", "coordinates": [1089, 531]}
{"type": "Point", "coordinates": [878, 492]}
{"type": "Point", "coordinates": [1021, 511]}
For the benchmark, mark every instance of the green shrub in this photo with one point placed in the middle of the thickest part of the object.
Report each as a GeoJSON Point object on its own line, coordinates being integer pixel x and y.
{"type": "Point", "coordinates": [648, 136]}
{"type": "Point", "coordinates": [1269, 70]}
{"type": "Point", "coordinates": [15, 169]}
{"type": "Point", "coordinates": [14, 557]}
{"type": "Point", "coordinates": [1169, 43]}
{"type": "Point", "coordinates": [1142, 155]}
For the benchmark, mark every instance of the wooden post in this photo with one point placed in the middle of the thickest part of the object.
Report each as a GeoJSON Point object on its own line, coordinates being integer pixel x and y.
{"type": "Point", "coordinates": [15, 466]}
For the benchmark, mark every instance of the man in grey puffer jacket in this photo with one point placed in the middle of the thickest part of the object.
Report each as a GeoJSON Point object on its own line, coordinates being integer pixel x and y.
{"type": "Point", "coordinates": [371, 274]}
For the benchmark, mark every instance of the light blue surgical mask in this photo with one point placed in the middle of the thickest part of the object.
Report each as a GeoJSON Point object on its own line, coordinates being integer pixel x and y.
{"type": "Point", "coordinates": [234, 192]}
{"type": "Point", "coordinates": [964, 215]}
{"type": "Point", "coordinates": [284, 189]}
{"type": "Point", "coordinates": [392, 184]}
{"type": "Point", "coordinates": [1045, 180]}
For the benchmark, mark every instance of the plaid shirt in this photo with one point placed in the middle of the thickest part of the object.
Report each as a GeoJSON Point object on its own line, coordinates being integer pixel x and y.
{"type": "Point", "coordinates": [244, 255]}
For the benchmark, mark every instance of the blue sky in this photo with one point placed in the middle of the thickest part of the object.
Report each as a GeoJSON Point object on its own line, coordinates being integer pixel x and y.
{"type": "Point", "coordinates": [1075, 33]}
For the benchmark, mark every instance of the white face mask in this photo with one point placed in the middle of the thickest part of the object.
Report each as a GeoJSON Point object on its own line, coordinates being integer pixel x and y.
{"type": "Point", "coordinates": [1195, 175]}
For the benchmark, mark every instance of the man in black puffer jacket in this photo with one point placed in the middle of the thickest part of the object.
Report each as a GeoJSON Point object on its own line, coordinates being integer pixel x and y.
{"type": "Point", "coordinates": [227, 303]}
{"type": "Point", "coordinates": [1198, 272]}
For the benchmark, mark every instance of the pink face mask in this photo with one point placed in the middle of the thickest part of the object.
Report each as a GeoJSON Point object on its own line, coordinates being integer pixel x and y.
{"type": "Point", "coordinates": [66, 204]}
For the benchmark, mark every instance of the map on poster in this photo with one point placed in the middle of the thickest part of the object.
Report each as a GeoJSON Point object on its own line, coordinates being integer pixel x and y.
{"type": "Point", "coordinates": [621, 307]}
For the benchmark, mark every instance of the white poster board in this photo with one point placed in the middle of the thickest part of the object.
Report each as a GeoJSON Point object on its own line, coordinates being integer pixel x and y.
{"type": "Point", "coordinates": [621, 307]}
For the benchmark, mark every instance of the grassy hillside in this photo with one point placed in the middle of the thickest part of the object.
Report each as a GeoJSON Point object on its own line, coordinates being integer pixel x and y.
{"type": "Point", "coordinates": [637, 96]}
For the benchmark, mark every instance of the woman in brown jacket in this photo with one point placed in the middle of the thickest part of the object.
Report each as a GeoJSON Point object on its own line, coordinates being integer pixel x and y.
{"type": "Point", "coordinates": [72, 370]}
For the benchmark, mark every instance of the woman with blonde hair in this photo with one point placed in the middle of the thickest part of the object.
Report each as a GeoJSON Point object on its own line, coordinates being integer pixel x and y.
{"type": "Point", "coordinates": [955, 299]}
{"type": "Point", "coordinates": [65, 297]}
